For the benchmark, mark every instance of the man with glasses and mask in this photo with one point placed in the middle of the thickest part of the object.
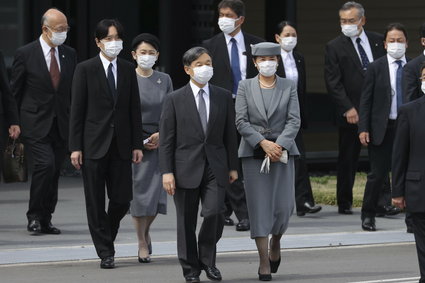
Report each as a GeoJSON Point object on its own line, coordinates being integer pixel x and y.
{"type": "Point", "coordinates": [347, 58]}
{"type": "Point", "coordinates": [106, 135]}
{"type": "Point", "coordinates": [41, 83]}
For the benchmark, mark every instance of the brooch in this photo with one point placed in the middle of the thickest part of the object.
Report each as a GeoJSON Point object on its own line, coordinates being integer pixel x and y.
{"type": "Point", "coordinates": [158, 81]}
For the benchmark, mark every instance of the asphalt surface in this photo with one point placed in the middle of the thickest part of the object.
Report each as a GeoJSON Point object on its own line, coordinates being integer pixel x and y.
{"type": "Point", "coordinates": [322, 247]}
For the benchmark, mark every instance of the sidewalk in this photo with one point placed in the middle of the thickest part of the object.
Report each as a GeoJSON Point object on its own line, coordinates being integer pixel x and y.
{"type": "Point", "coordinates": [327, 228]}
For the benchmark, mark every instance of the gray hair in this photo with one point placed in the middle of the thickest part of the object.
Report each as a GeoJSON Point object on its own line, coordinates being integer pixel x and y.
{"type": "Point", "coordinates": [192, 54]}
{"type": "Point", "coordinates": [351, 4]}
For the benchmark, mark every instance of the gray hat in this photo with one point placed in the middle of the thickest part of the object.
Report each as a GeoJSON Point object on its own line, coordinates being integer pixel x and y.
{"type": "Point", "coordinates": [265, 49]}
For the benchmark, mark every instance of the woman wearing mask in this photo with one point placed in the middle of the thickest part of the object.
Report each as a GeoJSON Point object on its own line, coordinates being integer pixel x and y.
{"type": "Point", "coordinates": [292, 66]}
{"type": "Point", "coordinates": [268, 119]}
{"type": "Point", "coordinates": [149, 198]}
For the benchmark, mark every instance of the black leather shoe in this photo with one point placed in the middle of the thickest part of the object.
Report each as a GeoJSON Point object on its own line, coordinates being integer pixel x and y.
{"type": "Point", "coordinates": [409, 229]}
{"type": "Point", "coordinates": [143, 259]}
{"type": "Point", "coordinates": [274, 265]}
{"type": "Point", "coordinates": [243, 225]}
{"type": "Point", "coordinates": [308, 208]}
{"type": "Point", "coordinates": [228, 221]}
{"type": "Point", "coordinates": [34, 227]}
{"type": "Point", "coordinates": [150, 248]}
{"type": "Point", "coordinates": [107, 262]}
{"type": "Point", "coordinates": [368, 224]}
{"type": "Point", "coordinates": [50, 229]}
{"type": "Point", "coordinates": [389, 210]}
{"type": "Point", "coordinates": [192, 279]}
{"type": "Point", "coordinates": [212, 272]}
{"type": "Point", "coordinates": [264, 277]}
{"type": "Point", "coordinates": [345, 210]}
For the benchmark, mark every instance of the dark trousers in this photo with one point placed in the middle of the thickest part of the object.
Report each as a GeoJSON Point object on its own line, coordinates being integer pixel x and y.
{"type": "Point", "coordinates": [116, 174]}
{"type": "Point", "coordinates": [192, 253]}
{"type": "Point", "coordinates": [48, 154]}
{"type": "Point", "coordinates": [380, 167]}
{"type": "Point", "coordinates": [348, 157]}
{"type": "Point", "coordinates": [235, 200]}
{"type": "Point", "coordinates": [418, 220]}
{"type": "Point", "coordinates": [303, 192]}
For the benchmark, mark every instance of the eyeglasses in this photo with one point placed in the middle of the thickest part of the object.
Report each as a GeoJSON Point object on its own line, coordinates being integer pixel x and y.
{"type": "Point", "coordinates": [61, 29]}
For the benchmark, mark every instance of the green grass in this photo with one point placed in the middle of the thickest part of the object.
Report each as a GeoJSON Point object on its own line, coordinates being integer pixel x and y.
{"type": "Point", "coordinates": [324, 189]}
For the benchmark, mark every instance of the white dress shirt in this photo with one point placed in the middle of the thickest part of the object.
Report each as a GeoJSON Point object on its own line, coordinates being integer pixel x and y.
{"type": "Point", "coordinates": [291, 71]}
{"type": "Point", "coordinates": [364, 41]}
{"type": "Point", "coordinates": [240, 42]}
{"type": "Point", "coordinates": [46, 52]}
{"type": "Point", "coordinates": [105, 63]}
{"type": "Point", "coordinates": [195, 91]}
{"type": "Point", "coordinates": [392, 67]}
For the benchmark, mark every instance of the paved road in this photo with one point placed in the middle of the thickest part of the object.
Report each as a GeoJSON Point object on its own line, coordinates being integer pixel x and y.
{"type": "Point", "coordinates": [372, 263]}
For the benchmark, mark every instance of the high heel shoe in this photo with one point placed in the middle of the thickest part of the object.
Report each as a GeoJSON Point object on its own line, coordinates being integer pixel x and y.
{"type": "Point", "coordinates": [150, 248]}
{"type": "Point", "coordinates": [274, 265]}
{"type": "Point", "coordinates": [143, 259]}
{"type": "Point", "coordinates": [264, 277]}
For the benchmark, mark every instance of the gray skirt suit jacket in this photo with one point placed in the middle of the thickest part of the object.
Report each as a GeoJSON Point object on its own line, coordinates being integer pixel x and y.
{"type": "Point", "coordinates": [270, 197]}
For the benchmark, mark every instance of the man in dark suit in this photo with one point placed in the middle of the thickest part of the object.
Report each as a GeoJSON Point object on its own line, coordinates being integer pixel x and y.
{"type": "Point", "coordinates": [411, 81]}
{"type": "Point", "coordinates": [233, 62]}
{"type": "Point", "coordinates": [106, 135]}
{"type": "Point", "coordinates": [8, 111]}
{"type": "Point", "coordinates": [198, 159]}
{"type": "Point", "coordinates": [292, 66]}
{"type": "Point", "coordinates": [346, 60]}
{"type": "Point", "coordinates": [41, 83]}
{"type": "Point", "coordinates": [408, 168]}
{"type": "Point", "coordinates": [381, 97]}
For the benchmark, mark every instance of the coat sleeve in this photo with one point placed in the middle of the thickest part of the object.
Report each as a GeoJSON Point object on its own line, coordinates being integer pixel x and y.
{"type": "Point", "coordinates": [292, 120]}
{"type": "Point", "coordinates": [167, 136]}
{"type": "Point", "coordinates": [333, 80]}
{"type": "Point", "coordinates": [400, 156]}
{"type": "Point", "coordinates": [10, 109]}
{"type": "Point", "coordinates": [17, 79]}
{"type": "Point", "coordinates": [243, 125]}
{"type": "Point", "coordinates": [230, 138]}
{"type": "Point", "coordinates": [366, 100]}
{"type": "Point", "coordinates": [136, 115]}
{"type": "Point", "coordinates": [78, 108]}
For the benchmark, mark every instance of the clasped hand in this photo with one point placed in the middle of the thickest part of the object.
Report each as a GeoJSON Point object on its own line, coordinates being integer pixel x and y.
{"type": "Point", "coordinates": [272, 150]}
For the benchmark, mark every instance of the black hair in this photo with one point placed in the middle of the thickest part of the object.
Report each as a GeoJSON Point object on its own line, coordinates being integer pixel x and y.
{"type": "Point", "coordinates": [192, 54]}
{"type": "Point", "coordinates": [280, 26]}
{"type": "Point", "coordinates": [102, 28]}
{"type": "Point", "coordinates": [395, 26]}
{"type": "Point", "coordinates": [237, 6]}
{"type": "Point", "coordinates": [147, 38]}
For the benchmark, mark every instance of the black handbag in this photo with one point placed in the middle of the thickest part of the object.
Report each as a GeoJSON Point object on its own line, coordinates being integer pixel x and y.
{"type": "Point", "coordinates": [14, 163]}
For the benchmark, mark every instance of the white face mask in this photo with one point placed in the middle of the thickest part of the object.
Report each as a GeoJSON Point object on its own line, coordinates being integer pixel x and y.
{"type": "Point", "coordinates": [423, 87]}
{"type": "Point", "coordinates": [350, 30]}
{"type": "Point", "coordinates": [112, 48]}
{"type": "Point", "coordinates": [396, 49]}
{"type": "Point", "coordinates": [203, 74]}
{"type": "Point", "coordinates": [146, 62]}
{"type": "Point", "coordinates": [267, 68]}
{"type": "Point", "coordinates": [58, 38]}
{"type": "Point", "coordinates": [227, 25]}
{"type": "Point", "coordinates": [288, 43]}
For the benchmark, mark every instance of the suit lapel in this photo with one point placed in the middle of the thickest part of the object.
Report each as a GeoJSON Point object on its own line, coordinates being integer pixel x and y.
{"type": "Point", "coordinates": [353, 53]}
{"type": "Point", "coordinates": [192, 110]}
{"type": "Point", "coordinates": [276, 97]}
{"type": "Point", "coordinates": [282, 68]}
{"type": "Point", "coordinates": [250, 68]}
{"type": "Point", "coordinates": [62, 63]}
{"type": "Point", "coordinates": [256, 95]}
{"type": "Point", "coordinates": [103, 81]}
{"type": "Point", "coordinates": [374, 46]}
{"type": "Point", "coordinates": [43, 64]}
{"type": "Point", "coordinates": [386, 78]}
{"type": "Point", "coordinates": [224, 54]}
{"type": "Point", "coordinates": [214, 106]}
{"type": "Point", "coordinates": [120, 78]}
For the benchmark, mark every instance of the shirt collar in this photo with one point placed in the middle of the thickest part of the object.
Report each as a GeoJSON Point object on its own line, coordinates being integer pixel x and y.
{"type": "Point", "coordinates": [106, 62]}
{"type": "Point", "coordinates": [45, 47]}
{"type": "Point", "coordinates": [286, 54]}
{"type": "Point", "coordinates": [238, 37]}
{"type": "Point", "coordinates": [392, 60]}
{"type": "Point", "coordinates": [195, 88]}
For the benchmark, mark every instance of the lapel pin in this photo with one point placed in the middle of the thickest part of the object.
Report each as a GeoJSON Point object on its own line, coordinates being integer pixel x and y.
{"type": "Point", "coordinates": [63, 56]}
{"type": "Point", "coordinates": [159, 81]}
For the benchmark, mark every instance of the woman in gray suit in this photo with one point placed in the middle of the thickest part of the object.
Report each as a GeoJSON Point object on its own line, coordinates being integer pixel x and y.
{"type": "Point", "coordinates": [268, 119]}
{"type": "Point", "coordinates": [149, 198]}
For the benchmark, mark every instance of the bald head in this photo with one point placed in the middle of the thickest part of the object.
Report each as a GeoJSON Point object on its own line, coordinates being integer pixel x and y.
{"type": "Point", "coordinates": [53, 21]}
{"type": "Point", "coordinates": [53, 16]}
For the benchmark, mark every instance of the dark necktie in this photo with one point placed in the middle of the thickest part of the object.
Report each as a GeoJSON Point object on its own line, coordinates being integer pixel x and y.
{"type": "Point", "coordinates": [398, 86]}
{"type": "Point", "coordinates": [236, 68]}
{"type": "Point", "coordinates": [111, 81]}
{"type": "Point", "coordinates": [55, 75]}
{"type": "Point", "coordinates": [202, 109]}
{"type": "Point", "coordinates": [363, 56]}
